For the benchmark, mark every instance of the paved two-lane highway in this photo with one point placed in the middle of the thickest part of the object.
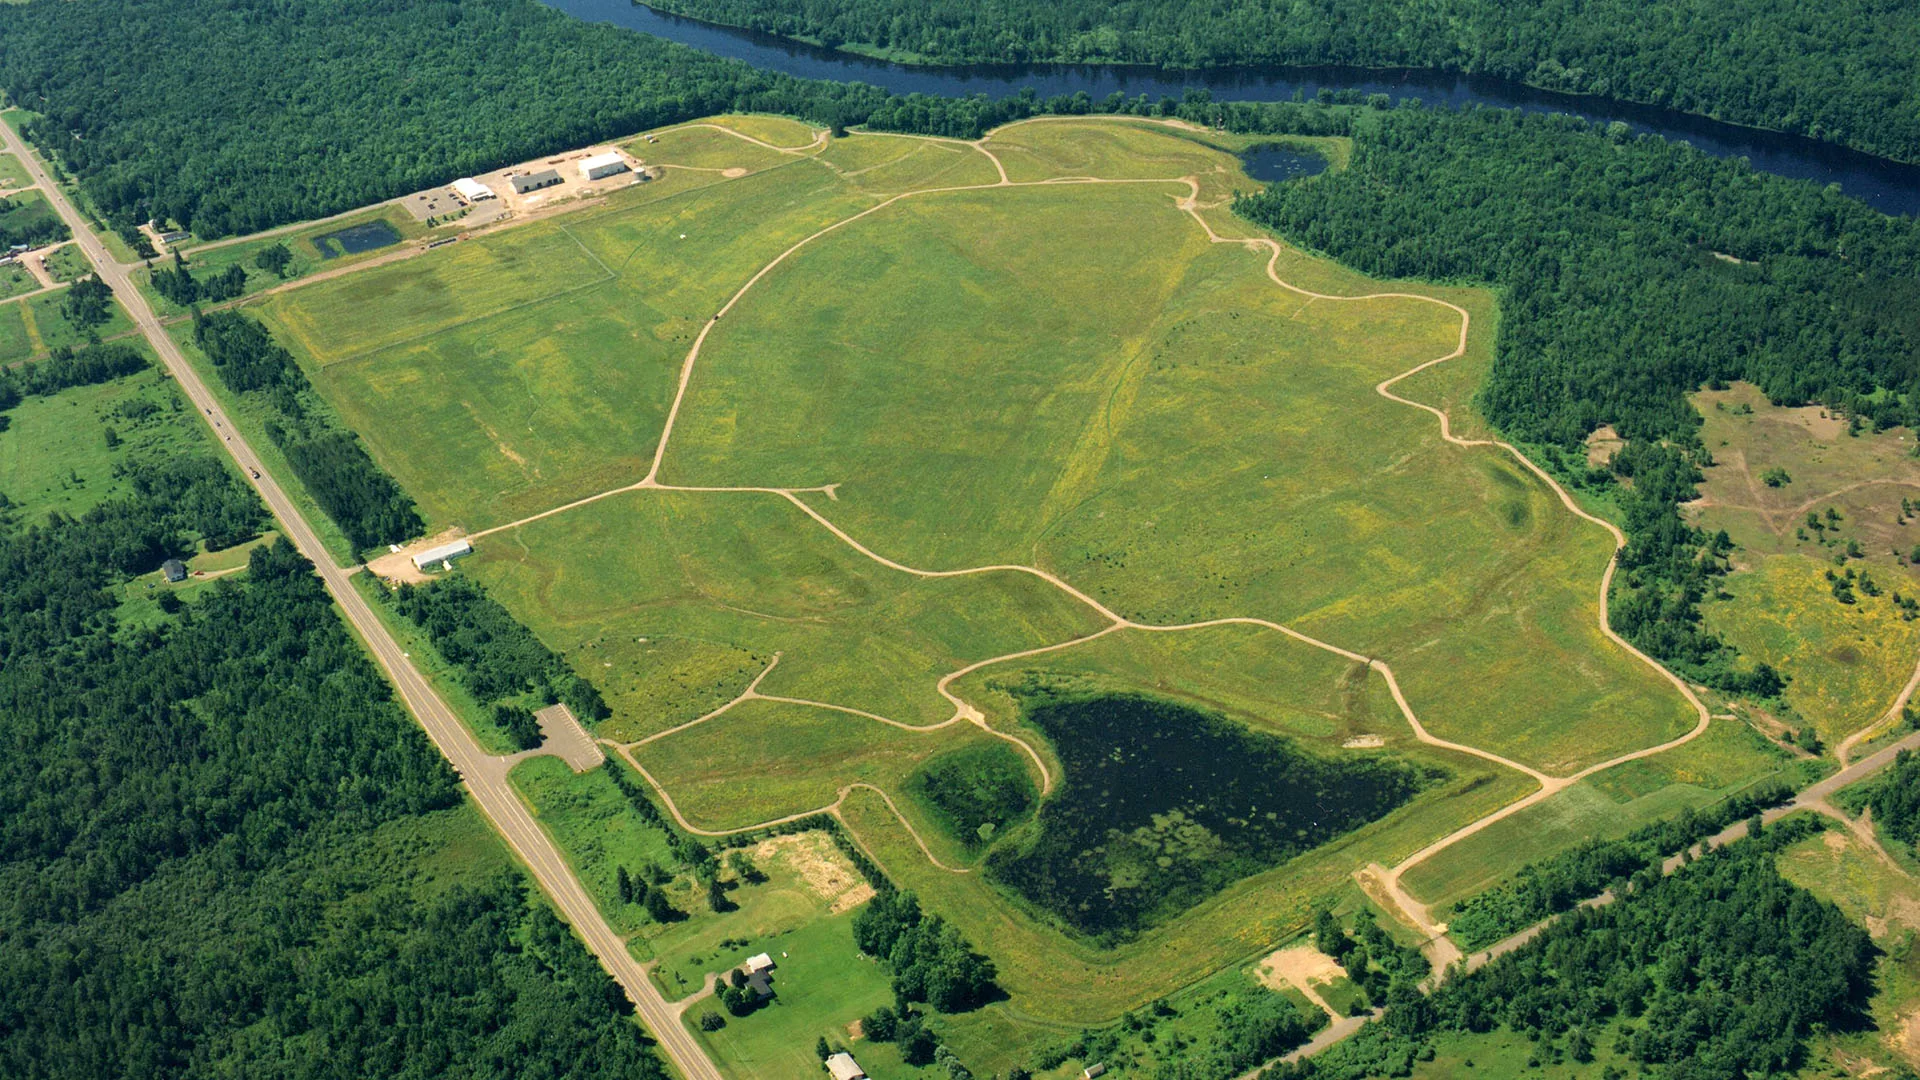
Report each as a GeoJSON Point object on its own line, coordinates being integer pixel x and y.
{"type": "Point", "coordinates": [485, 775]}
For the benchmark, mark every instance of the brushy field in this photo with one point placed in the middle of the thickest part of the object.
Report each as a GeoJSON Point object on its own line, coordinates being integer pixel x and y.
{"type": "Point", "coordinates": [54, 457]}
{"type": "Point", "coordinates": [34, 326]}
{"type": "Point", "coordinates": [12, 174]}
{"type": "Point", "coordinates": [1064, 375]}
{"type": "Point", "coordinates": [1884, 898]}
{"type": "Point", "coordinates": [1774, 468]}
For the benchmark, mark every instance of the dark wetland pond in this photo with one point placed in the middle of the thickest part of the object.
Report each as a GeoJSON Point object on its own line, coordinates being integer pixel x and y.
{"type": "Point", "coordinates": [1889, 186]}
{"type": "Point", "coordinates": [1160, 806]}
{"type": "Point", "coordinates": [356, 239]}
{"type": "Point", "coordinates": [1276, 164]}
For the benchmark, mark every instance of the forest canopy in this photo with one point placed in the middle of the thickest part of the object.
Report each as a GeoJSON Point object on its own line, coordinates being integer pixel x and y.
{"type": "Point", "coordinates": [231, 116]}
{"type": "Point", "coordinates": [1847, 72]}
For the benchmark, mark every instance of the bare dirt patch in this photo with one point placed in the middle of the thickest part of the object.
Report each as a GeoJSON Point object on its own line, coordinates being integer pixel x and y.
{"type": "Point", "coordinates": [1602, 445]}
{"type": "Point", "coordinates": [1302, 967]}
{"type": "Point", "coordinates": [813, 858]}
{"type": "Point", "coordinates": [1364, 742]}
{"type": "Point", "coordinates": [734, 173]}
{"type": "Point", "coordinates": [398, 565]}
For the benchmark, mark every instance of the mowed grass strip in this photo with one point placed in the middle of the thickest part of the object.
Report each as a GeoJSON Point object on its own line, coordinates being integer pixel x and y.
{"type": "Point", "coordinates": [347, 317]}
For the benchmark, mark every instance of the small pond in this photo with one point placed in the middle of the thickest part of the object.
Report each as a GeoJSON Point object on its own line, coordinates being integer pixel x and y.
{"type": "Point", "coordinates": [1272, 164]}
{"type": "Point", "coordinates": [352, 241]}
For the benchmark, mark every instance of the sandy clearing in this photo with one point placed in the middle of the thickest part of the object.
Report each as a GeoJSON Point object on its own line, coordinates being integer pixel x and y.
{"type": "Point", "coordinates": [398, 565]}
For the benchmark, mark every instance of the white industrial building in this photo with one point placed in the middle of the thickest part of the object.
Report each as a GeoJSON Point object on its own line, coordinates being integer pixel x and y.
{"type": "Point", "coordinates": [601, 166]}
{"type": "Point", "coordinates": [472, 190]}
{"type": "Point", "coordinates": [444, 553]}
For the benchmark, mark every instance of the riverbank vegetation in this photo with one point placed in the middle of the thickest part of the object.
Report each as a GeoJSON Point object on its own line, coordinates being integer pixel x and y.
{"type": "Point", "coordinates": [1846, 76]}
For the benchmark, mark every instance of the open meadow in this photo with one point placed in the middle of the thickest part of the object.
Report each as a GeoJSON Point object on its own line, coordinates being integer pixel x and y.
{"type": "Point", "coordinates": [886, 476]}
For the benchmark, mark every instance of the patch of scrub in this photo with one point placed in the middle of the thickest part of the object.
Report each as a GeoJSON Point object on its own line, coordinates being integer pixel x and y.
{"type": "Point", "coordinates": [976, 792]}
{"type": "Point", "coordinates": [1161, 806]}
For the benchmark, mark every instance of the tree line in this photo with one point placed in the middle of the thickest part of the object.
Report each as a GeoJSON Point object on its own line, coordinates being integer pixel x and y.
{"type": "Point", "coordinates": [498, 658]}
{"type": "Point", "coordinates": [329, 460]}
{"type": "Point", "coordinates": [1555, 884]}
{"type": "Point", "coordinates": [1850, 76]}
{"type": "Point", "coordinates": [1721, 971]}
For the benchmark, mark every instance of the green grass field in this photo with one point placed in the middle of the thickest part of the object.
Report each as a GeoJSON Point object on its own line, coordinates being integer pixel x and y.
{"type": "Point", "coordinates": [1063, 375]}
{"type": "Point", "coordinates": [34, 326]}
{"type": "Point", "coordinates": [16, 279]}
{"type": "Point", "coordinates": [12, 173]}
{"type": "Point", "coordinates": [1729, 758]}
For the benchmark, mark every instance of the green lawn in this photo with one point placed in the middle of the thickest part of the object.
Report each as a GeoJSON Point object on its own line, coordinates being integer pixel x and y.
{"type": "Point", "coordinates": [16, 279]}
{"type": "Point", "coordinates": [12, 173]}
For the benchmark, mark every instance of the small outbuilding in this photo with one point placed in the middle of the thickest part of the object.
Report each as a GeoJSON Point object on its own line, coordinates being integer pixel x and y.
{"type": "Point", "coordinates": [442, 553]}
{"type": "Point", "coordinates": [1098, 1068]}
{"type": "Point", "coordinates": [525, 182]}
{"type": "Point", "coordinates": [173, 570]}
{"type": "Point", "coordinates": [601, 166]}
{"type": "Point", "coordinates": [472, 190]}
{"type": "Point", "coordinates": [841, 1066]}
{"type": "Point", "coordinates": [759, 963]}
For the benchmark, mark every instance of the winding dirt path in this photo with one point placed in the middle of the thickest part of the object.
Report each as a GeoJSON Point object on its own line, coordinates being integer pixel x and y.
{"type": "Point", "coordinates": [1388, 878]}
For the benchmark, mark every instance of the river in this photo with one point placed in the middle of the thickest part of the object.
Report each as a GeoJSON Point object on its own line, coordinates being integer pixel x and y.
{"type": "Point", "coordinates": [1889, 186]}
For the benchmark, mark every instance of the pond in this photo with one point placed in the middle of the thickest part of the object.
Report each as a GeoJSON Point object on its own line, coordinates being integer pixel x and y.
{"type": "Point", "coordinates": [1271, 164]}
{"type": "Point", "coordinates": [1890, 186]}
{"type": "Point", "coordinates": [1160, 806]}
{"type": "Point", "coordinates": [356, 239]}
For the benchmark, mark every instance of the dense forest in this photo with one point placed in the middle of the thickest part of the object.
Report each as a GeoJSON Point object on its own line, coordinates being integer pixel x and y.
{"type": "Point", "coordinates": [1160, 806]}
{"type": "Point", "coordinates": [1848, 72]}
{"type": "Point", "coordinates": [1719, 971]}
{"type": "Point", "coordinates": [215, 824]}
{"type": "Point", "coordinates": [329, 460]}
{"type": "Point", "coordinates": [316, 108]}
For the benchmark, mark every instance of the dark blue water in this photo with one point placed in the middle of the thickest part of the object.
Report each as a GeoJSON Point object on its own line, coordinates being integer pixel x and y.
{"type": "Point", "coordinates": [1887, 185]}
{"type": "Point", "coordinates": [353, 240]}
{"type": "Point", "coordinates": [1275, 164]}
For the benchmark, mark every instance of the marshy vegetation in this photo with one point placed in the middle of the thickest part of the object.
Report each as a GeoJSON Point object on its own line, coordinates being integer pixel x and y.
{"type": "Point", "coordinates": [1162, 805]}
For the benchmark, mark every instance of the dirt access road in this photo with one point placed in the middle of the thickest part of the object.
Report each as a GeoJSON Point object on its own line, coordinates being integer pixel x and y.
{"type": "Point", "coordinates": [485, 776]}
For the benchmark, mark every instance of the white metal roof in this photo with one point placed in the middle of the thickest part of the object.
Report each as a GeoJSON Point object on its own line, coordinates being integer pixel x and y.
{"type": "Point", "coordinates": [472, 190]}
{"type": "Point", "coordinates": [442, 553]}
{"type": "Point", "coordinates": [611, 157]}
{"type": "Point", "coordinates": [761, 962]}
